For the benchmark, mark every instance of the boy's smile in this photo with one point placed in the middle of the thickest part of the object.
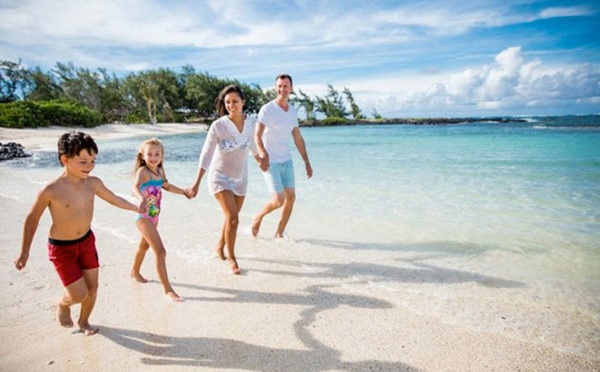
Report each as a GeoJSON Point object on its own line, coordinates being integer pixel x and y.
{"type": "Point", "coordinates": [80, 165]}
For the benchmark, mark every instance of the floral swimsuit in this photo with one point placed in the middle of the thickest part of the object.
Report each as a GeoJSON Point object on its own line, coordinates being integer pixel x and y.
{"type": "Point", "coordinates": [152, 191]}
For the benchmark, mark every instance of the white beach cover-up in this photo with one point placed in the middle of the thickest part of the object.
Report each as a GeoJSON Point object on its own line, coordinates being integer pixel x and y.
{"type": "Point", "coordinates": [225, 155]}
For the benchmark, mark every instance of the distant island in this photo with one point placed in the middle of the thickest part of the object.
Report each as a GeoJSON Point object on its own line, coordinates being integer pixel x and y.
{"type": "Point", "coordinates": [329, 122]}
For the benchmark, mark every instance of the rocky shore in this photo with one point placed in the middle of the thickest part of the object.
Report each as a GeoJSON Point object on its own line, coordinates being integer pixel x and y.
{"type": "Point", "coordinates": [12, 150]}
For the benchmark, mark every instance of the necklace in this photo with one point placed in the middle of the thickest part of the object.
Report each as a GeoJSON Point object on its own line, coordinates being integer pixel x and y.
{"type": "Point", "coordinates": [157, 174]}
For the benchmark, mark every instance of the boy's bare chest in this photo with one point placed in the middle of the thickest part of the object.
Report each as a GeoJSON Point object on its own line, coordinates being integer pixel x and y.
{"type": "Point", "coordinates": [73, 198]}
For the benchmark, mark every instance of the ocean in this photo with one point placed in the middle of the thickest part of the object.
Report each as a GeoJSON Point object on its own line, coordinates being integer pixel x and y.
{"type": "Point", "coordinates": [491, 226]}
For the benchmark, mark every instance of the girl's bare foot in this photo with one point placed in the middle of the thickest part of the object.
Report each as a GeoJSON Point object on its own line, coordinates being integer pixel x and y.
{"type": "Point", "coordinates": [256, 221]}
{"type": "Point", "coordinates": [138, 277]}
{"type": "Point", "coordinates": [88, 329]}
{"type": "Point", "coordinates": [174, 297]}
{"type": "Point", "coordinates": [64, 316]}
{"type": "Point", "coordinates": [235, 269]}
{"type": "Point", "coordinates": [220, 253]}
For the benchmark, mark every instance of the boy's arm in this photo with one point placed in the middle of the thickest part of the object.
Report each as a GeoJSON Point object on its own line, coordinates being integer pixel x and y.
{"type": "Point", "coordinates": [105, 194]}
{"type": "Point", "coordinates": [31, 224]}
{"type": "Point", "coordinates": [299, 141]}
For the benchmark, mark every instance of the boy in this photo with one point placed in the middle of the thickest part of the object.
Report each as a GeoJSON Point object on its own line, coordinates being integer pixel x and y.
{"type": "Point", "coordinates": [71, 242]}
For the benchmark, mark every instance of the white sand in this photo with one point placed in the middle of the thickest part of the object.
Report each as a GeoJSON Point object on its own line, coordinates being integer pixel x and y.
{"type": "Point", "coordinates": [47, 137]}
{"type": "Point", "coordinates": [275, 317]}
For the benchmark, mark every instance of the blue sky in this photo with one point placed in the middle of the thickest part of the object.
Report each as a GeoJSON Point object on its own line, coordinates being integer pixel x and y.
{"type": "Point", "coordinates": [402, 58]}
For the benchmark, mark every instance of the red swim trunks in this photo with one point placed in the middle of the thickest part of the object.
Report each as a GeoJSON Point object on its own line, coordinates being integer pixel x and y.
{"type": "Point", "coordinates": [71, 257]}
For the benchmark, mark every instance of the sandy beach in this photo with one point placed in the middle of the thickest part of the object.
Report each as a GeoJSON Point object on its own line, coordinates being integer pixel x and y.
{"type": "Point", "coordinates": [280, 315]}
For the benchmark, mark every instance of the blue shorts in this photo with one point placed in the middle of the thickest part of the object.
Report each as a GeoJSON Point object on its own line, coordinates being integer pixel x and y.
{"type": "Point", "coordinates": [280, 176]}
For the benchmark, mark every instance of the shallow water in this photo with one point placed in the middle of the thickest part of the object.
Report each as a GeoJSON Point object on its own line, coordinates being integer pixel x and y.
{"type": "Point", "coordinates": [495, 227]}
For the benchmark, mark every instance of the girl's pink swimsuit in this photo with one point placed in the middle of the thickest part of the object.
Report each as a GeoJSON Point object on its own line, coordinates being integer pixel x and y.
{"type": "Point", "coordinates": [152, 191]}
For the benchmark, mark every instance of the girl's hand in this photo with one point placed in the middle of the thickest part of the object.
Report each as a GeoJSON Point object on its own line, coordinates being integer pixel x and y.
{"type": "Point", "coordinates": [189, 193]}
{"type": "Point", "coordinates": [193, 191]}
{"type": "Point", "coordinates": [21, 261]}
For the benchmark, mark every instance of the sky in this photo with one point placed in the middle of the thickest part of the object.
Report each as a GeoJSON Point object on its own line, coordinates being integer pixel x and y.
{"type": "Point", "coordinates": [430, 58]}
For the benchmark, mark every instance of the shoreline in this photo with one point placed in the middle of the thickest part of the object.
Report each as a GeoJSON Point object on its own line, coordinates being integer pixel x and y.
{"type": "Point", "coordinates": [46, 137]}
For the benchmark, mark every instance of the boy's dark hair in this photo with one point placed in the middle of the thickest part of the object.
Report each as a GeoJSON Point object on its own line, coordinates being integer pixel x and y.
{"type": "Point", "coordinates": [71, 144]}
{"type": "Point", "coordinates": [285, 76]}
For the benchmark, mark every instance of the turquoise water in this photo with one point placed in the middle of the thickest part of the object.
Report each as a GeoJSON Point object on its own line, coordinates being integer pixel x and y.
{"type": "Point", "coordinates": [515, 202]}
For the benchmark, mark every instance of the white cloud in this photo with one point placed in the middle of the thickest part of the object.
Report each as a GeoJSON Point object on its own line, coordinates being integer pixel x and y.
{"type": "Point", "coordinates": [571, 11]}
{"type": "Point", "coordinates": [509, 83]}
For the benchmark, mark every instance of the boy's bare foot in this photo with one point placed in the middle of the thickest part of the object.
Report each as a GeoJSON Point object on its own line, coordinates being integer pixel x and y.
{"type": "Point", "coordinates": [256, 221]}
{"type": "Point", "coordinates": [220, 253]}
{"type": "Point", "coordinates": [88, 329]}
{"type": "Point", "coordinates": [174, 297]}
{"type": "Point", "coordinates": [138, 277]}
{"type": "Point", "coordinates": [235, 269]}
{"type": "Point", "coordinates": [64, 316]}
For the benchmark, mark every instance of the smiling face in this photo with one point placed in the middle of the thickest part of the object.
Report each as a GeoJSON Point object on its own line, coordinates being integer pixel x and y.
{"type": "Point", "coordinates": [283, 88]}
{"type": "Point", "coordinates": [80, 165]}
{"type": "Point", "coordinates": [153, 155]}
{"type": "Point", "coordinates": [233, 104]}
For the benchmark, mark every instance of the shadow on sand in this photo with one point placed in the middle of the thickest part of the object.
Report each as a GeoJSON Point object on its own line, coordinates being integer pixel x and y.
{"type": "Point", "coordinates": [232, 354]}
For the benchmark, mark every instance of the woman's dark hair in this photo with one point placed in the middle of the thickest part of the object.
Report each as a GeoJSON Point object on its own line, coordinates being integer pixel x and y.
{"type": "Point", "coordinates": [70, 144]}
{"type": "Point", "coordinates": [220, 102]}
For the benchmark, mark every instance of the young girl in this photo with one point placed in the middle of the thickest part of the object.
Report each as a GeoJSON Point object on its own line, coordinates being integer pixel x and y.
{"type": "Point", "coordinates": [226, 153]}
{"type": "Point", "coordinates": [150, 178]}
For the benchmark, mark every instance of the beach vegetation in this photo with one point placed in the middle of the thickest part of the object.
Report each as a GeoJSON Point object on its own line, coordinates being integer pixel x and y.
{"type": "Point", "coordinates": [148, 96]}
{"type": "Point", "coordinates": [33, 114]}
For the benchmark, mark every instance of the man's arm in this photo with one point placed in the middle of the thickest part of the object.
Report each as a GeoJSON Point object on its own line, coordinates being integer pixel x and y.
{"type": "Point", "coordinates": [30, 226]}
{"type": "Point", "coordinates": [108, 196]}
{"type": "Point", "coordinates": [299, 141]}
{"type": "Point", "coordinates": [260, 146]}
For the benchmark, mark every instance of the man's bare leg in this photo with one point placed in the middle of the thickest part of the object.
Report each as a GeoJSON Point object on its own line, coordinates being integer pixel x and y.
{"type": "Point", "coordinates": [288, 206]}
{"type": "Point", "coordinates": [276, 201]}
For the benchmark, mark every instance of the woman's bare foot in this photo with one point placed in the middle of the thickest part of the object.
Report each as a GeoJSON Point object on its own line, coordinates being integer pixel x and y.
{"type": "Point", "coordinates": [174, 297]}
{"type": "Point", "coordinates": [138, 277]}
{"type": "Point", "coordinates": [279, 236]}
{"type": "Point", "coordinates": [235, 269]}
{"type": "Point", "coordinates": [64, 316]}
{"type": "Point", "coordinates": [256, 221]}
{"type": "Point", "coordinates": [88, 329]}
{"type": "Point", "coordinates": [220, 253]}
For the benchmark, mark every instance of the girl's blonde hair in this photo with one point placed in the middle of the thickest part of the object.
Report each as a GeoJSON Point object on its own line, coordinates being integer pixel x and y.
{"type": "Point", "coordinates": [139, 157]}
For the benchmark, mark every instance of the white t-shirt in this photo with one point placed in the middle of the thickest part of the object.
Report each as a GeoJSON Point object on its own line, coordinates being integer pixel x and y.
{"type": "Point", "coordinates": [278, 129]}
{"type": "Point", "coordinates": [225, 155]}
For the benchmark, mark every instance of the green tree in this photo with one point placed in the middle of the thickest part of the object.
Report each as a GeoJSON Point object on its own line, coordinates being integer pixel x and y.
{"type": "Point", "coordinates": [376, 114]}
{"type": "Point", "coordinates": [13, 81]}
{"type": "Point", "coordinates": [332, 105]}
{"type": "Point", "coordinates": [304, 101]}
{"type": "Point", "coordinates": [43, 86]}
{"type": "Point", "coordinates": [355, 111]}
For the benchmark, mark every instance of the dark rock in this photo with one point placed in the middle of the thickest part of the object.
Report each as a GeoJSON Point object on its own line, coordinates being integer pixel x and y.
{"type": "Point", "coordinates": [12, 150]}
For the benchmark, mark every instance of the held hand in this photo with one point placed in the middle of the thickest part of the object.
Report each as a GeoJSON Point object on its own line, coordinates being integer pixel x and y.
{"type": "Point", "coordinates": [309, 171]}
{"type": "Point", "coordinates": [264, 163]}
{"type": "Point", "coordinates": [189, 193]}
{"type": "Point", "coordinates": [192, 191]}
{"type": "Point", "coordinates": [21, 261]}
{"type": "Point", "coordinates": [143, 207]}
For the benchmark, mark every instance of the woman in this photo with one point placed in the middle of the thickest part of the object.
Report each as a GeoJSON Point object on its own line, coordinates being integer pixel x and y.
{"type": "Point", "coordinates": [225, 156]}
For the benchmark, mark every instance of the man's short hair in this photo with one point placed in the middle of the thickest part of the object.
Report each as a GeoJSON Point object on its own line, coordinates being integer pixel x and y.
{"type": "Point", "coordinates": [70, 144]}
{"type": "Point", "coordinates": [285, 76]}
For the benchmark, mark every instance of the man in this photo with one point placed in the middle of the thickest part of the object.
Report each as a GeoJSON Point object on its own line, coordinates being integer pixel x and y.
{"type": "Point", "coordinates": [276, 121]}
